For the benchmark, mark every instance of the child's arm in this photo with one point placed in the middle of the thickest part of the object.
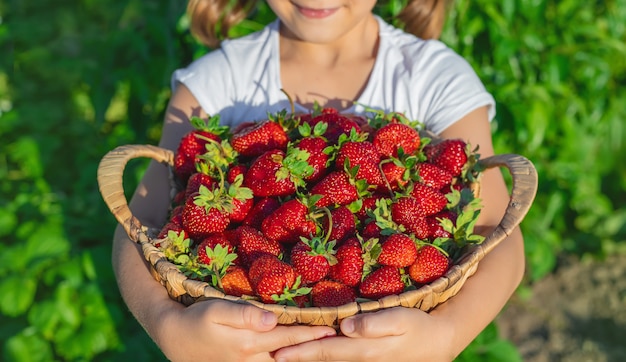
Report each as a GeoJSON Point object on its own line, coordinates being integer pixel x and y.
{"type": "Point", "coordinates": [413, 335]}
{"type": "Point", "coordinates": [217, 330]}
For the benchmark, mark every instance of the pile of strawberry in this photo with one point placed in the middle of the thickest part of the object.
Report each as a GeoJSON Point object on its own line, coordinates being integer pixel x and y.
{"type": "Point", "coordinates": [321, 209]}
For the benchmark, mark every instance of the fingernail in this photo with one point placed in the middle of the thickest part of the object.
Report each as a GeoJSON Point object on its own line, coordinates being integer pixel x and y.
{"type": "Point", "coordinates": [347, 326]}
{"type": "Point", "coordinates": [268, 318]}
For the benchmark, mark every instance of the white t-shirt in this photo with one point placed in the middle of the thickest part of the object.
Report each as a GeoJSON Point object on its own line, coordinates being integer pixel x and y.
{"type": "Point", "coordinates": [424, 79]}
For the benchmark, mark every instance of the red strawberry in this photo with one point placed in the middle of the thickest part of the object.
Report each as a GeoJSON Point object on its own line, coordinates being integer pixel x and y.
{"type": "Point", "coordinates": [349, 267]}
{"type": "Point", "coordinates": [398, 250]}
{"type": "Point", "coordinates": [210, 209]}
{"type": "Point", "coordinates": [262, 264]}
{"type": "Point", "coordinates": [430, 200]}
{"type": "Point", "coordinates": [405, 209]}
{"type": "Point", "coordinates": [450, 187]}
{"type": "Point", "coordinates": [419, 227]}
{"type": "Point", "coordinates": [382, 282]}
{"type": "Point", "coordinates": [260, 211]}
{"type": "Point", "coordinates": [343, 224]}
{"type": "Point", "coordinates": [300, 301]}
{"type": "Point", "coordinates": [433, 175]}
{"type": "Point", "coordinates": [276, 173]}
{"type": "Point", "coordinates": [176, 214]}
{"type": "Point", "coordinates": [329, 293]}
{"type": "Point", "coordinates": [263, 179]}
{"type": "Point", "coordinates": [251, 244]}
{"type": "Point", "coordinates": [336, 188]}
{"type": "Point", "coordinates": [369, 203]}
{"type": "Point", "coordinates": [211, 242]}
{"type": "Point", "coordinates": [236, 282]}
{"type": "Point", "coordinates": [241, 126]}
{"type": "Point", "coordinates": [312, 258]}
{"type": "Point", "coordinates": [270, 276]}
{"type": "Point", "coordinates": [449, 154]}
{"type": "Point", "coordinates": [329, 110]}
{"type": "Point", "coordinates": [289, 222]}
{"type": "Point", "coordinates": [357, 152]}
{"type": "Point", "coordinates": [436, 230]}
{"type": "Point", "coordinates": [242, 199]}
{"type": "Point", "coordinates": [394, 174]}
{"type": "Point", "coordinates": [361, 154]}
{"type": "Point", "coordinates": [259, 138]}
{"type": "Point", "coordinates": [232, 235]}
{"type": "Point", "coordinates": [235, 171]}
{"type": "Point", "coordinates": [240, 209]}
{"type": "Point", "coordinates": [429, 265]}
{"type": "Point", "coordinates": [179, 198]}
{"type": "Point", "coordinates": [195, 180]}
{"type": "Point", "coordinates": [193, 144]}
{"type": "Point", "coordinates": [174, 223]}
{"type": "Point", "coordinates": [338, 124]}
{"type": "Point", "coordinates": [393, 136]}
{"type": "Point", "coordinates": [371, 230]}
{"type": "Point", "coordinates": [429, 151]}
{"type": "Point", "coordinates": [170, 226]}
{"type": "Point", "coordinates": [213, 256]}
{"type": "Point", "coordinates": [318, 159]}
{"type": "Point", "coordinates": [204, 214]}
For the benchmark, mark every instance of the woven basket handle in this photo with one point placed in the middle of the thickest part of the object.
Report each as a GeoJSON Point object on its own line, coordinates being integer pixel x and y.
{"type": "Point", "coordinates": [110, 182]}
{"type": "Point", "coordinates": [523, 193]}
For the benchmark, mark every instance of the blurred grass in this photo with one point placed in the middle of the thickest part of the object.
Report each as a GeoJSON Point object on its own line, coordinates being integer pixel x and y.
{"type": "Point", "coordinates": [79, 78]}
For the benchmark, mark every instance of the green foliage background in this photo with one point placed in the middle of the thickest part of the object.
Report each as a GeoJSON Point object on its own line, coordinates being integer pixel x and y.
{"type": "Point", "coordinates": [78, 78]}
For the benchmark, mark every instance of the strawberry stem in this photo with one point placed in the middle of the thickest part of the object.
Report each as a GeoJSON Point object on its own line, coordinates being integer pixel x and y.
{"type": "Point", "coordinates": [293, 107]}
{"type": "Point", "coordinates": [218, 276]}
{"type": "Point", "coordinates": [380, 167]}
{"type": "Point", "coordinates": [330, 224]}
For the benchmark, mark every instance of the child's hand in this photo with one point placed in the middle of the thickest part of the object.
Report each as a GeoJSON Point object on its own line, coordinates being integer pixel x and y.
{"type": "Point", "coordinates": [226, 331]}
{"type": "Point", "coordinates": [396, 334]}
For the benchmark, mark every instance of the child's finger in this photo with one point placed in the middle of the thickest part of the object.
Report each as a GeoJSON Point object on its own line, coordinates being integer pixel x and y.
{"type": "Point", "coordinates": [269, 336]}
{"type": "Point", "coordinates": [286, 336]}
{"type": "Point", "coordinates": [331, 349]}
{"type": "Point", "coordinates": [388, 322]}
{"type": "Point", "coordinates": [242, 316]}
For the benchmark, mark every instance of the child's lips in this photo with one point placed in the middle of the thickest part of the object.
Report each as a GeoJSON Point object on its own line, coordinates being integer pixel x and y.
{"type": "Point", "coordinates": [316, 13]}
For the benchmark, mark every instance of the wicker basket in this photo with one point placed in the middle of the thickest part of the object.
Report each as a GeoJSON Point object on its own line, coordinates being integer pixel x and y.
{"type": "Point", "coordinates": [188, 291]}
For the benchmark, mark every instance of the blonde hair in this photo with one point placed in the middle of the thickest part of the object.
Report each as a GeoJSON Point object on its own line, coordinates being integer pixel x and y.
{"type": "Point", "coordinates": [423, 18]}
{"type": "Point", "coordinates": [211, 20]}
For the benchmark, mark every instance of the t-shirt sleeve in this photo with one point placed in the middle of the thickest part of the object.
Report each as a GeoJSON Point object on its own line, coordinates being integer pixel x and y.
{"type": "Point", "coordinates": [452, 90]}
{"type": "Point", "coordinates": [209, 79]}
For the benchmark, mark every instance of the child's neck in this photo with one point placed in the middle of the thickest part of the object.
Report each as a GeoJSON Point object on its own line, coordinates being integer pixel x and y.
{"type": "Point", "coordinates": [333, 74]}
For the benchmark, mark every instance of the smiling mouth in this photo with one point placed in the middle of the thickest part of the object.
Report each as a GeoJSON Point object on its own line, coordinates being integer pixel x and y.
{"type": "Point", "coordinates": [316, 13]}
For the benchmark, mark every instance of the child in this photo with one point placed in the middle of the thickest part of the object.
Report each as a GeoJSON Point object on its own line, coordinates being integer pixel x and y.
{"type": "Point", "coordinates": [333, 53]}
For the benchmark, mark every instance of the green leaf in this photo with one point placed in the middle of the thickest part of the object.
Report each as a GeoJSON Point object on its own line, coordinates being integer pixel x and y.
{"type": "Point", "coordinates": [45, 246]}
{"type": "Point", "coordinates": [44, 316]}
{"type": "Point", "coordinates": [489, 347]}
{"type": "Point", "coordinates": [17, 293]}
{"type": "Point", "coordinates": [503, 351]}
{"type": "Point", "coordinates": [541, 258]}
{"type": "Point", "coordinates": [8, 221]}
{"type": "Point", "coordinates": [67, 308]}
{"type": "Point", "coordinates": [27, 346]}
{"type": "Point", "coordinates": [25, 153]}
{"type": "Point", "coordinates": [88, 266]}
